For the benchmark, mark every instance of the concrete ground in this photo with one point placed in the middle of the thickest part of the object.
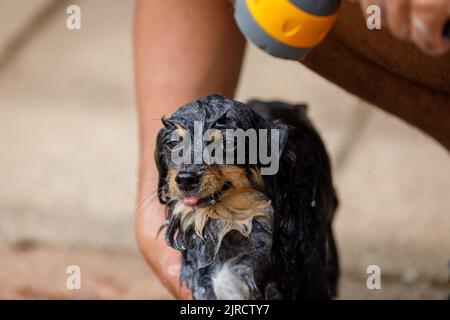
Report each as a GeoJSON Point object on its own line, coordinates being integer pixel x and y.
{"type": "Point", "coordinates": [68, 138]}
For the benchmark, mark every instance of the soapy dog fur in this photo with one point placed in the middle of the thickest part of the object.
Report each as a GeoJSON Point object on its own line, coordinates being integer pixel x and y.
{"type": "Point", "coordinates": [244, 235]}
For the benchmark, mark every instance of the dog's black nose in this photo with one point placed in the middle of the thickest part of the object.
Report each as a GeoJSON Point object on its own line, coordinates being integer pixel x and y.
{"type": "Point", "coordinates": [187, 180]}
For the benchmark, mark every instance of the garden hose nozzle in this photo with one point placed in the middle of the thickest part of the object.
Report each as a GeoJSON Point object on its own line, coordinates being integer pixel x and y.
{"type": "Point", "coordinates": [286, 29]}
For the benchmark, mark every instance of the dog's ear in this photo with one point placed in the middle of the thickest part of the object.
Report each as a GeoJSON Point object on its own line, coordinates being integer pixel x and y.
{"type": "Point", "coordinates": [161, 164]}
{"type": "Point", "coordinates": [277, 110]}
{"type": "Point", "coordinates": [298, 198]}
{"type": "Point", "coordinates": [168, 123]}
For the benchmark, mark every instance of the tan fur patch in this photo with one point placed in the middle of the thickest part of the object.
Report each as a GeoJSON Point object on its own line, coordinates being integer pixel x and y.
{"type": "Point", "coordinates": [171, 183]}
{"type": "Point", "coordinates": [237, 206]}
{"type": "Point", "coordinates": [182, 132]}
{"type": "Point", "coordinates": [212, 180]}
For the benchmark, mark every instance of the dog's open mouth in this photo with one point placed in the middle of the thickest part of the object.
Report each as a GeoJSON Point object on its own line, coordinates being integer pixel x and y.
{"type": "Point", "coordinates": [194, 200]}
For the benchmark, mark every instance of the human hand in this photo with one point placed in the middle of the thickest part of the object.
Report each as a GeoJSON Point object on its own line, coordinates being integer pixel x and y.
{"type": "Point", "coordinates": [419, 21]}
{"type": "Point", "coordinates": [165, 261]}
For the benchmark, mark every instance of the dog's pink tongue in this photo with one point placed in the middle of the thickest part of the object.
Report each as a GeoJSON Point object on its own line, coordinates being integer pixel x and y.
{"type": "Point", "coordinates": [191, 201]}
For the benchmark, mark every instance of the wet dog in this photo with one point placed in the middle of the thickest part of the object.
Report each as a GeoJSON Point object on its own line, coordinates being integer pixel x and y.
{"type": "Point", "coordinates": [245, 235]}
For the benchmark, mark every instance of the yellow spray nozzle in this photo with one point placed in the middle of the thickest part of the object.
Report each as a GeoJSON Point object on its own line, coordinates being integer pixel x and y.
{"type": "Point", "coordinates": [286, 28]}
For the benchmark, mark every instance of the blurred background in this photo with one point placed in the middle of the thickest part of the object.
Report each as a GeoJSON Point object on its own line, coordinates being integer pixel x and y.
{"type": "Point", "coordinates": [68, 141]}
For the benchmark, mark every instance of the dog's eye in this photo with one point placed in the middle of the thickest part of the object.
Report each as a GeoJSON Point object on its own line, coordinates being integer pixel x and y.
{"type": "Point", "coordinates": [171, 144]}
{"type": "Point", "coordinates": [221, 122]}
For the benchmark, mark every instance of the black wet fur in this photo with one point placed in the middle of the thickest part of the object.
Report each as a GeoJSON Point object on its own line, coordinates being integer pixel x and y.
{"type": "Point", "coordinates": [295, 256]}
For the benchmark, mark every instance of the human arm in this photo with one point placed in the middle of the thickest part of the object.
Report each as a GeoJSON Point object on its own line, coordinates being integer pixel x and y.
{"type": "Point", "coordinates": [183, 50]}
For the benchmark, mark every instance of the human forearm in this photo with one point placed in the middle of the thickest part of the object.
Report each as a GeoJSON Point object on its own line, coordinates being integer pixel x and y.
{"type": "Point", "coordinates": [183, 50]}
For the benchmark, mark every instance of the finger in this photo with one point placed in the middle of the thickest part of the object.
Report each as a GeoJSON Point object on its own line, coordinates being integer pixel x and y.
{"type": "Point", "coordinates": [398, 20]}
{"type": "Point", "coordinates": [428, 18]}
{"type": "Point", "coordinates": [184, 293]}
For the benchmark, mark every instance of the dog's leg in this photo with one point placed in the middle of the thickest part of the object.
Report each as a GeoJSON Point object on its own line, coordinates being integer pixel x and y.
{"type": "Point", "coordinates": [332, 268]}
